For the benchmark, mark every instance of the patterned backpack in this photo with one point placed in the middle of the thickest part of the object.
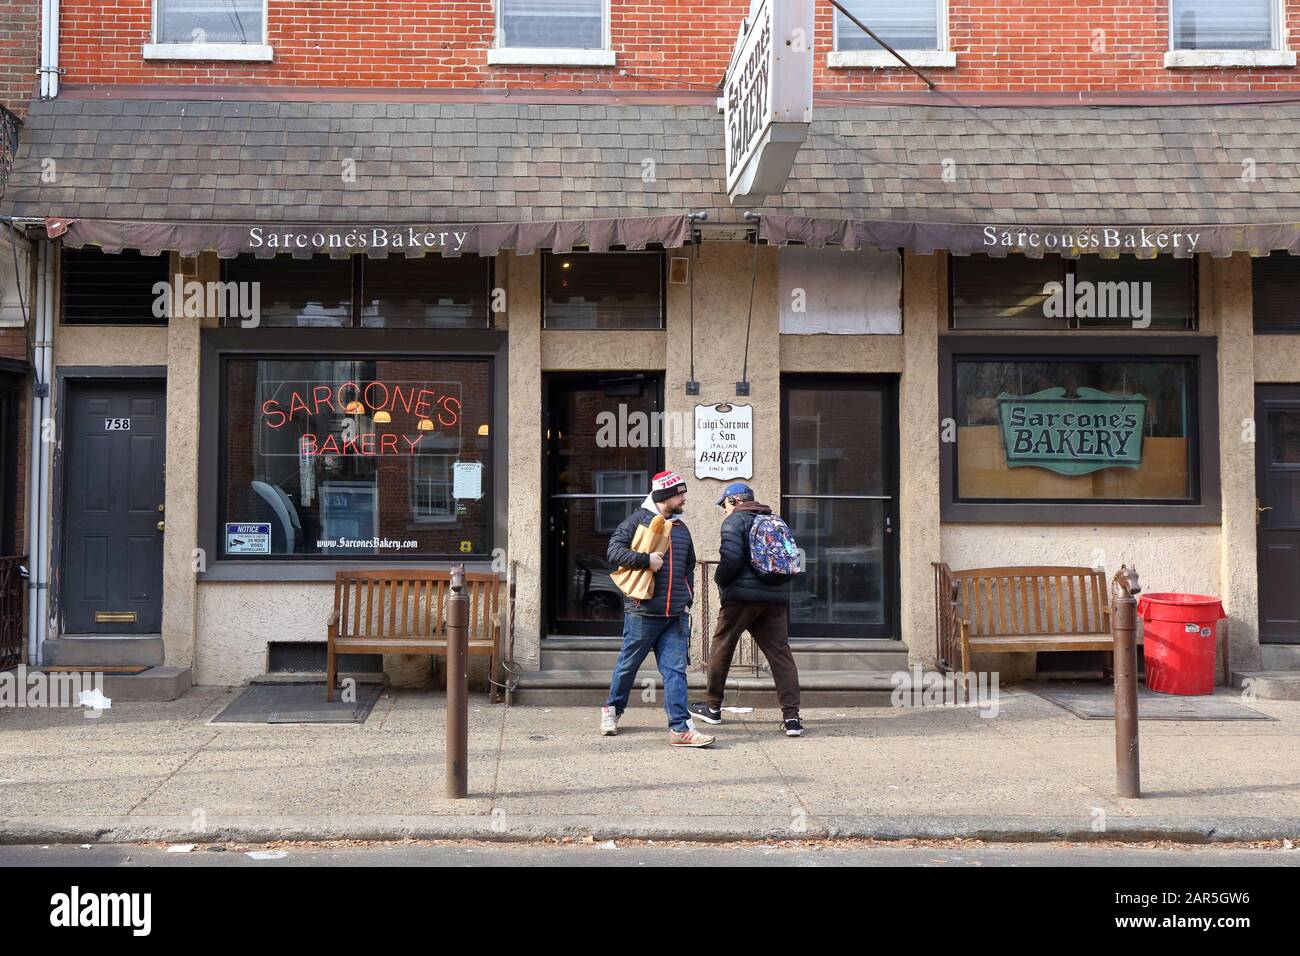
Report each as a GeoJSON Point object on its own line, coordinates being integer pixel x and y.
{"type": "Point", "coordinates": [773, 554]}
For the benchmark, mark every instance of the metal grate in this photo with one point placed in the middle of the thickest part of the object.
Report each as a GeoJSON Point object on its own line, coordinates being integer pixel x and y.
{"type": "Point", "coordinates": [308, 657]}
{"type": "Point", "coordinates": [12, 591]}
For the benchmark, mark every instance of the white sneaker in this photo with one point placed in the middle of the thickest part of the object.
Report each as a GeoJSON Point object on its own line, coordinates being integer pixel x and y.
{"type": "Point", "coordinates": [608, 722]}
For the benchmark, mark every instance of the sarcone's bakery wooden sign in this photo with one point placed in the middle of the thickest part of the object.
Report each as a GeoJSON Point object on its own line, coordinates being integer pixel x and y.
{"type": "Point", "coordinates": [1072, 436]}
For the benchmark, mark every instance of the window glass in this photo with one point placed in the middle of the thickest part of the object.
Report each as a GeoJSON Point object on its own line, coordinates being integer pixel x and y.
{"type": "Point", "coordinates": [210, 21]}
{"type": "Point", "coordinates": [332, 457]}
{"type": "Point", "coordinates": [1017, 292]}
{"type": "Point", "coordinates": [113, 288]}
{"type": "Point", "coordinates": [1276, 281]}
{"type": "Point", "coordinates": [314, 292]}
{"type": "Point", "coordinates": [553, 24]}
{"type": "Point", "coordinates": [434, 292]}
{"type": "Point", "coordinates": [903, 24]}
{"type": "Point", "coordinates": [604, 290]}
{"type": "Point", "coordinates": [1216, 25]}
{"type": "Point", "coordinates": [1071, 431]}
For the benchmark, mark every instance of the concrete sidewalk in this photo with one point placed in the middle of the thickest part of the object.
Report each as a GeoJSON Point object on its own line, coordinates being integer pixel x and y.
{"type": "Point", "coordinates": [152, 771]}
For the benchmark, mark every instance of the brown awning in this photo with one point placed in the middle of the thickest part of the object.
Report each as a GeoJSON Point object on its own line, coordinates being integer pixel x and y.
{"type": "Point", "coordinates": [303, 240]}
{"type": "Point", "coordinates": [999, 239]}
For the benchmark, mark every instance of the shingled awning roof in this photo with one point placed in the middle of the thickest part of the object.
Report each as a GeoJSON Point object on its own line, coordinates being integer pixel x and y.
{"type": "Point", "coordinates": [923, 177]}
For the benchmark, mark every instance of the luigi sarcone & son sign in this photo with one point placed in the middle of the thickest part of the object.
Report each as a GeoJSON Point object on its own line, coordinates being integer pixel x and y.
{"type": "Point", "coordinates": [767, 98]}
{"type": "Point", "coordinates": [1072, 436]}
{"type": "Point", "coordinates": [724, 441]}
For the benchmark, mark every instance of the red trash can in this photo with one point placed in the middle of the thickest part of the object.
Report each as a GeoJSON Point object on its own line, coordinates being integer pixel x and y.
{"type": "Point", "coordinates": [1178, 641]}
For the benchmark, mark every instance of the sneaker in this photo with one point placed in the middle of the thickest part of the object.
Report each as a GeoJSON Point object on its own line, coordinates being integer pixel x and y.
{"type": "Point", "coordinates": [688, 738]}
{"type": "Point", "coordinates": [792, 726]}
{"type": "Point", "coordinates": [706, 713]}
{"type": "Point", "coordinates": [608, 722]}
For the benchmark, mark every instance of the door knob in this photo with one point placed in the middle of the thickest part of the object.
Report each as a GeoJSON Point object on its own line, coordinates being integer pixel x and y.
{"type": "Point", "coordinates": [1259, 511]}
{"type": "Point", "coordinates": [160, 525]}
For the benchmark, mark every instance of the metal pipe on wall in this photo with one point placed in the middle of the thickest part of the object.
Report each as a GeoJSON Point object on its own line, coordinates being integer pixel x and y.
{"type": "Point", "coordinates": [34, 466]}
{"type": "Point", "coordinates": [47, 447]}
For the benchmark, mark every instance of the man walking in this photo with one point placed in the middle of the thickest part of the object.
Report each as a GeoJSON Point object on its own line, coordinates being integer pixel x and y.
{"type": "Point", "coordinates": [753, 601]}
{"type": "Point", "coordinates": [660, 622]}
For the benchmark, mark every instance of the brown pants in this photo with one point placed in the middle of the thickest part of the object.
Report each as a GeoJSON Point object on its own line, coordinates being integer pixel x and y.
{"type": "Point", "coordinates": [769, 625]}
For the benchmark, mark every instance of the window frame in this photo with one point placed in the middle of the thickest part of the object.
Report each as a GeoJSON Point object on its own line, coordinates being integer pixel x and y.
{"type": "Point", "coordinates": [1072, 265]}
{"type": "Point", "coordinates": [1277, 54]}
{"type": "Point", "coordinates": [499, 54]}
{"type": "Point", "coordinates": [217, 345]}
{"type": "Point", "coordinates": [663, 287]}
{"type": "Point", "coordinates": [1201, 350]}
{"type": "Point", "coordinates": [157, 49]}
{"type": "Point", "coordinates": [941, 57]}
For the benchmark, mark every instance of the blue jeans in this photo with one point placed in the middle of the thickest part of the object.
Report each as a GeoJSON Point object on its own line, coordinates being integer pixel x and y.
{"type": "Point", "coordinates": [669, 638]}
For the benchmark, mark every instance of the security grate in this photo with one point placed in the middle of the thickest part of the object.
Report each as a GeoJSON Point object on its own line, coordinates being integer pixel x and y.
{"type": "Point", "coordinates": [308, 657]}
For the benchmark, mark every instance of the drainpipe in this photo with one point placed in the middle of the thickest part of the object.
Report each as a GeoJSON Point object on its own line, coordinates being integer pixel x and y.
{"type": "Point", "coordinates": [38, 509]}
{"type": "Point", "coordinates": [49, 49]}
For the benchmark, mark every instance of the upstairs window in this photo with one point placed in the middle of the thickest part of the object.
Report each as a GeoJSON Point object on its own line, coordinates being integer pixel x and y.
{"type": "Point", "coordinates": [603, 290]}
{"type": "Point", "coordinates": [1276, 281]}
{"type": "Point", "coordinates": [210, 21]}
{"type": "Point", "coordinates": [552, 24]}
{"type": "Point", "coordinates": [114, 288]}
{"type": "Point", "coordinates": [903, 24]}
{"type": "Point", "coordinates": [1216, 25]}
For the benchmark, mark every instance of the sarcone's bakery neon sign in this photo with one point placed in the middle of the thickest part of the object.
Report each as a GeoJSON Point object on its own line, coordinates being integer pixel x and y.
{"type": "Point", "coordinates": [425, 408]}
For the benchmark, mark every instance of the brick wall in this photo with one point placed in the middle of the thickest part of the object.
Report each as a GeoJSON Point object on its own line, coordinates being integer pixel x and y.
{"type": "Point", "coordinates": [1001, 45]}
{"type": "Point", "coordinates": [20, 52]}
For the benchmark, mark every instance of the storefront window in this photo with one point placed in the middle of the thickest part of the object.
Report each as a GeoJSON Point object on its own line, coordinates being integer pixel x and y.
{"type": "Point", "coordinates": [1017, 292]}
{"type": "Point", "coordinates": [433, 292]}
{"type": "Point", "coordinates": [337, 457]}
{"type": "Point", "coordinates": [1065, 430]}
{"type": "Point", "coordinates": [603, 290]}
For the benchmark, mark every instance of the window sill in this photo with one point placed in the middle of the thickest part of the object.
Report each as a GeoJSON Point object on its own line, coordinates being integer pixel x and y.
{"type": "Point", "coordinates": [239, 52]}
{"type": "Point", "coordinates": [876, 59]}
{"type": "Point", "coordinates": [1228, 59]}
{"type": "Point", "coordinates": [547, 57]}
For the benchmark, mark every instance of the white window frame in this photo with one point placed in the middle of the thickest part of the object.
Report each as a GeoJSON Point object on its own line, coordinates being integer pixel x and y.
{"type": "Point", "coordinates": [1277, 55]}
{"type": "Point", "coordinates": [419, 517]}
{"type": "Point", "coordinates": [941, 58]}
{"type": "Point", "coordinates": [239, 52]}
{"type": "Point", "coordinates": [501, 55]}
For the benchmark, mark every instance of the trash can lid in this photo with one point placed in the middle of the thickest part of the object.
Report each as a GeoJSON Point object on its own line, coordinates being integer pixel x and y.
{"type": "Point", "coordinates": [1180, 607]}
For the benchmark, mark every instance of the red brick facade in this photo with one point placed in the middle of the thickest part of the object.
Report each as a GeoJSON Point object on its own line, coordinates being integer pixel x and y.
{"type": "Point", "coordinates": [1001, 45]}
{"type": "Point", "coordinates": [20, 52]}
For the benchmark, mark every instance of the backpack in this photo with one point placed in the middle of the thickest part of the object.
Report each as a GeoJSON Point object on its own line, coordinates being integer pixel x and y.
{"type": "Point", "coordinates": [773, 554]}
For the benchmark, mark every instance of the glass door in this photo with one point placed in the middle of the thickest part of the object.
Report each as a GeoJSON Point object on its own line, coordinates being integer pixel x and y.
{"type": "Point", "coordinates": [600, 452]}
{"type": "Point", "coordinates": [839, 495]}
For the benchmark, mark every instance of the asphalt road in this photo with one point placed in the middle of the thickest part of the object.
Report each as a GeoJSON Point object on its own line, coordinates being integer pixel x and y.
{"type": "Point", "coordinates": [641, 854]}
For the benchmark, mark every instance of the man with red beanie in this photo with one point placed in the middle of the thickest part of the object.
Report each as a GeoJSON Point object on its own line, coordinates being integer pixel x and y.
{"type": "Point", "coordinates": [660, 623]}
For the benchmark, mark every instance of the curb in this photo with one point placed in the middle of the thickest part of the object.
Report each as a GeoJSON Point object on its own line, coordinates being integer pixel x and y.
{"type": "Point", "coordinates": [501, 828]}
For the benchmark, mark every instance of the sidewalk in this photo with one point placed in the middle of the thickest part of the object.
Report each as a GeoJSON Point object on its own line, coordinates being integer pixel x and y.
{"type": "Point", "coordinates": [146, 771]}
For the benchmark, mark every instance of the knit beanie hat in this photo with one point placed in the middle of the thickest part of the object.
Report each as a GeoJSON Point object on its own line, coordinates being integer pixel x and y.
{"type": "Point", "coordinates": [666, 485]}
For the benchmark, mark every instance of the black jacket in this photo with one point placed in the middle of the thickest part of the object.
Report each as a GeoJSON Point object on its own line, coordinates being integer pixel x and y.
{"type": "Point", "coordinates": [735, 576]}
{"type": "Point", "coordinates": [673, 592]}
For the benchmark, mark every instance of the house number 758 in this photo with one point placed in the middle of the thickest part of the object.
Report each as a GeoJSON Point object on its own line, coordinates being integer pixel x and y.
{"type": "Point", "coordinates": [117, 424]}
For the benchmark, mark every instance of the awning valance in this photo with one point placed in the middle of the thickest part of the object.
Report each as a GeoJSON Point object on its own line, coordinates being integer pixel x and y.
{"type": "Point", "coordinates": [266, 240]}
{"type": "Point", "coordinates": [1000, 239]}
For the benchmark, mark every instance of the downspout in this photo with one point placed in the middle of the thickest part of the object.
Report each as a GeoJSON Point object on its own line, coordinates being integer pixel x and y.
{"type": "Point", "coordinates": [49, 49]}
{"type": "Point", "coordinates": [34, 577]}
{"type": "Point", "coordinates": [47, 446]}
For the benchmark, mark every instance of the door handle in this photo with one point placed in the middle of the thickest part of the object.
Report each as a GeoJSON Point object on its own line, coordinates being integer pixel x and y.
{"type": "Point", "coordinates": [161, 525]}
{"type": "Point", "coordinates": [1259, 511]}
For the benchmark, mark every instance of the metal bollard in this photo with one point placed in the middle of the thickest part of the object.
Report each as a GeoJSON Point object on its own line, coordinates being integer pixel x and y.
{"type": "Point", "coordinates": [1123, 628]}
{"type": "Point", "coordinates": [458, 686]}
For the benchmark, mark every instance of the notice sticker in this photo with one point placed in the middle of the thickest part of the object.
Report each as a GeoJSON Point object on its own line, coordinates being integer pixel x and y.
{"type": "Point", "coordinates": [248, 539]}
{"type": "Point", "coordinates": [467, 480]}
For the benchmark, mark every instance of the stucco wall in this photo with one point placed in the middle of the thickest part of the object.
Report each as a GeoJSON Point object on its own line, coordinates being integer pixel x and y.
{"type": "Point", "coordinates": [236, 621]}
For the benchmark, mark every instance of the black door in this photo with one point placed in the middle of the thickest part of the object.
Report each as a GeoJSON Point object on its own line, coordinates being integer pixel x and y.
{"type": "Point", "coordinates": [839, 495]}
{"type": "Point", "coordinates": [114, 446]}
{"type": "Point", "coordinates": [1277, 488]}
{"type": "Point", "coordinates": [602, 445]}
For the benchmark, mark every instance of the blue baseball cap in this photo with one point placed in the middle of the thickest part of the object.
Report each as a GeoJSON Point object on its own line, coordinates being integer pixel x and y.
{"type": "Point", "coordinates": [735, 488]}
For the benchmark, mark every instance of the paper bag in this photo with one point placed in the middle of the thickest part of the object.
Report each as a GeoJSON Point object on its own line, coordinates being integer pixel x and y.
{"type": "Point", "coordinates": [639, 583]}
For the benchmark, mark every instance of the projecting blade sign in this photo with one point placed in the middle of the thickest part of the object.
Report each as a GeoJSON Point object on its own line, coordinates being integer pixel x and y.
{"type": "Point", "coordinates": [724, 441]}
{"type": "Point", "coordinates": [768, 98]}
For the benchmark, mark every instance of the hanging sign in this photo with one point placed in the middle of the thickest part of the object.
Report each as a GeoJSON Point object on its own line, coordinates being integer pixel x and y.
{"type": "Point", "coordinates": [767, 98]}
{"type": "Point", "coordinates": [1072, 436]}
{"type": "Point", "coordinates": [724, 441]}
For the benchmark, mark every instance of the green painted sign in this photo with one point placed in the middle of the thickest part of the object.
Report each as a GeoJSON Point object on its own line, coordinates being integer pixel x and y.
{"type": "Point", "coordinates": [1072, 436]}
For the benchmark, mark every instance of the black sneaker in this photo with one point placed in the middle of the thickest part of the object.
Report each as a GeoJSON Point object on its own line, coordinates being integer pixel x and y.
{"type": "Point", "coordinates": [792, 726]}
{"type": "Point", "coordinates": [706, 713]}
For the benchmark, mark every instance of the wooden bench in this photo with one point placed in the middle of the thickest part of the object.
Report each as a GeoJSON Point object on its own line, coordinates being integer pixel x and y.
{"type": "Point", "coordinates": [405, 612]}
{"type": "Point", "coordinates": [1019, 609]}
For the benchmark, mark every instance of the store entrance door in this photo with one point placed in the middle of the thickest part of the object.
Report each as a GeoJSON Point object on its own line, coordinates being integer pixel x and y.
{"type": "Point", "coordinates": [1277, 515]}
{"type": "Point", "coordinates": [839, 495]}
{"type": "Point", "coordinates": [599, 452]}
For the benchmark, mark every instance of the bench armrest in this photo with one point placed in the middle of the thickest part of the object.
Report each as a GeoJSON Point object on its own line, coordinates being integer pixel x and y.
{"type": "Point", "coordinates": [334, 618]}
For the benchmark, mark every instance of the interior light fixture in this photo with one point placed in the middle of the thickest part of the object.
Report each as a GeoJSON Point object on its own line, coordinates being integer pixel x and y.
{"type": "Point", "coordinates": [382, 417]}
